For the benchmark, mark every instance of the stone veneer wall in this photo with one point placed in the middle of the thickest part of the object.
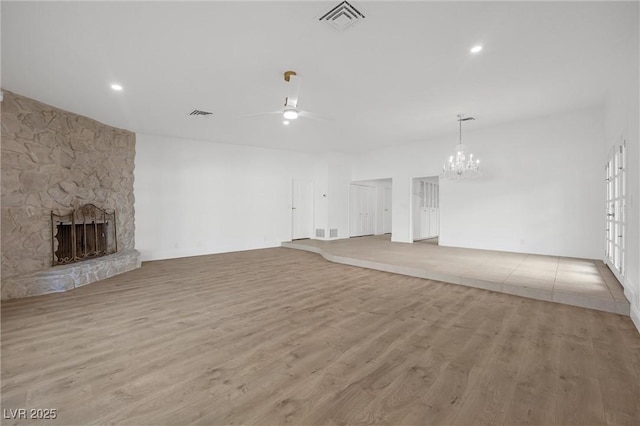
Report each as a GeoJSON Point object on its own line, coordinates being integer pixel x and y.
{"type": "Point", "coordinates": [56, 160]}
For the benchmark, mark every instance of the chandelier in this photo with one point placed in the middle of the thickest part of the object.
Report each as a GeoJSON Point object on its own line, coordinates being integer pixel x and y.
{"type": "Point", "coordinates": [459, 166]}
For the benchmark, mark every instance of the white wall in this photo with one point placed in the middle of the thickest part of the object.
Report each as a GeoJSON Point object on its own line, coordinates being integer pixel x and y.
{"type": "Point", "coordinates": [196, 198]}
{"type": "Point", "coordinates": [339, 166]}
{"type": "Point", "coordinates": [320, 199]}
{"type": "Point", "coordinates": [622, 121]}
{"type": "Point", "coordinates": [541, 193]}
{"type": "Point", "coordinates": [332, 176]}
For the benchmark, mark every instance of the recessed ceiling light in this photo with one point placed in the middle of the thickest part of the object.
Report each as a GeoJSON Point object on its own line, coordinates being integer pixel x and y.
{"type": "Point", "coordinates": [116, 87]}
{"type": "Point", "coordinates": [285, 122]}
{"type": "Point", "coordinates": [476, 49]}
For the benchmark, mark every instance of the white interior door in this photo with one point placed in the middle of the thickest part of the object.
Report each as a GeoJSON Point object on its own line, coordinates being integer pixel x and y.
{"type": "Point", "coordinates": [362, 205]}
{"type": "Point", "coordinates": [302, 209]}
{"type": "Point", "coordinates": [425, 232]}
{"type": "Point", "coordinates": [371, 198]}
{"type": "Point", "coordinates": [386, 214]}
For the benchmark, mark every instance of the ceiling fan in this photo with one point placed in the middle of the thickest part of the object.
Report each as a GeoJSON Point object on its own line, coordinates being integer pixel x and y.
{"type": "Point", "coordinates": [291, 111]}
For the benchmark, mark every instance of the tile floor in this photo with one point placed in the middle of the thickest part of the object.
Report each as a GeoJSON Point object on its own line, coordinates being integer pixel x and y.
{"type": "Point", "coordinates": [579, 282]}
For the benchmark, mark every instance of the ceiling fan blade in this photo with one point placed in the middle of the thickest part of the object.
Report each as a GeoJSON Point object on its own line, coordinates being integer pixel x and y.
{"type": "Point", "coordinates": [293, 90]}
{"type": "Point", "coordinates": [262, 113]}
{"type": "Point", "coordinates": [314, 116]}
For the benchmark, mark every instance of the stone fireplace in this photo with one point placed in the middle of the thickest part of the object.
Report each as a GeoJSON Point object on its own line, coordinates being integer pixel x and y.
{"type": "Point", "coordinates": [56, 163]}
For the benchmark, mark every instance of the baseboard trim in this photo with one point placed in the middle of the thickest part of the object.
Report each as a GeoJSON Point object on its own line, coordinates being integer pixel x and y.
{"type": "Point", "coordinates": [635, 316]}
{"type": "Point", "coordinates": [152, 255]}
{"type": "Point", "coordinates": [635, 307]}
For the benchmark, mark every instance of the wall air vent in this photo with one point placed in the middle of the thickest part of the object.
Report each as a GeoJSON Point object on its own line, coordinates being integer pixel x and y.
{"type": "Point", "coordinates": [198, 112]}
{"type": "Point", "coordinates": [319, 233]}
{"type": "Point", "coordinates": [333, 233]}
{"type": "Point", "coordinates": [342, 16]}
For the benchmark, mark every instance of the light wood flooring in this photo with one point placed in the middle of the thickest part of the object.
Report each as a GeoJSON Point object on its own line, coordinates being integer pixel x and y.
{"type": "Point", "coordinates": [587, 283]}
{"type": "Point", "coordinates": [280, 336]}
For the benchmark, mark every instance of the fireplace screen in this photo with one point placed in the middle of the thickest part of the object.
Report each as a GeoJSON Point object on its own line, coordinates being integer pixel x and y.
{"type": "Point", "coordinates": [84, 233]}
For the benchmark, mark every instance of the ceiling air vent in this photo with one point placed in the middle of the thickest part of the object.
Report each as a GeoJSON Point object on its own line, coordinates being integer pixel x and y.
{"type": "Point", "coordinates": [342, 16]}
{"type": "Point", "coordinates": [198, 112]}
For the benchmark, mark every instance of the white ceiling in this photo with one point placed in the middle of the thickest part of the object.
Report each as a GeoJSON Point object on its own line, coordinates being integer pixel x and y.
{"type": "Point", "coordinates": [400, 75]}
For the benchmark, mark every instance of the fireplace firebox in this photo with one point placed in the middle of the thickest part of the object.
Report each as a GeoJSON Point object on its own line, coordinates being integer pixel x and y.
{"type": "Point", "coordinates": [84, 233]}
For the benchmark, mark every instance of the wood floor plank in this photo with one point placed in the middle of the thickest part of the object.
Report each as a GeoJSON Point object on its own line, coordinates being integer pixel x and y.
{"type": "Point", "coordinates": [579, 395]}
{"type": "Point", "coordinates": [533, 401]}
{"type": "Point", "coordinates": [615, 364]}
{"type": "Point", "coordinates": [499, 372]}
{"type": "Point", "coordinates": [279, 336]}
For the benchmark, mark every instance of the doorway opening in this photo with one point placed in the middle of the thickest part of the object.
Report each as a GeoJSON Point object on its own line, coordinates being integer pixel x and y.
{"type": "Point", "coordinates": [426, 210]}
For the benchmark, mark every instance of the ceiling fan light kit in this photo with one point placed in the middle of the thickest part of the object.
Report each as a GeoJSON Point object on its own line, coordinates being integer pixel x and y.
{"type": "Point", "coordinates": [290, 113]}
{"type": "Point", "coordinates": [459, 166]}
